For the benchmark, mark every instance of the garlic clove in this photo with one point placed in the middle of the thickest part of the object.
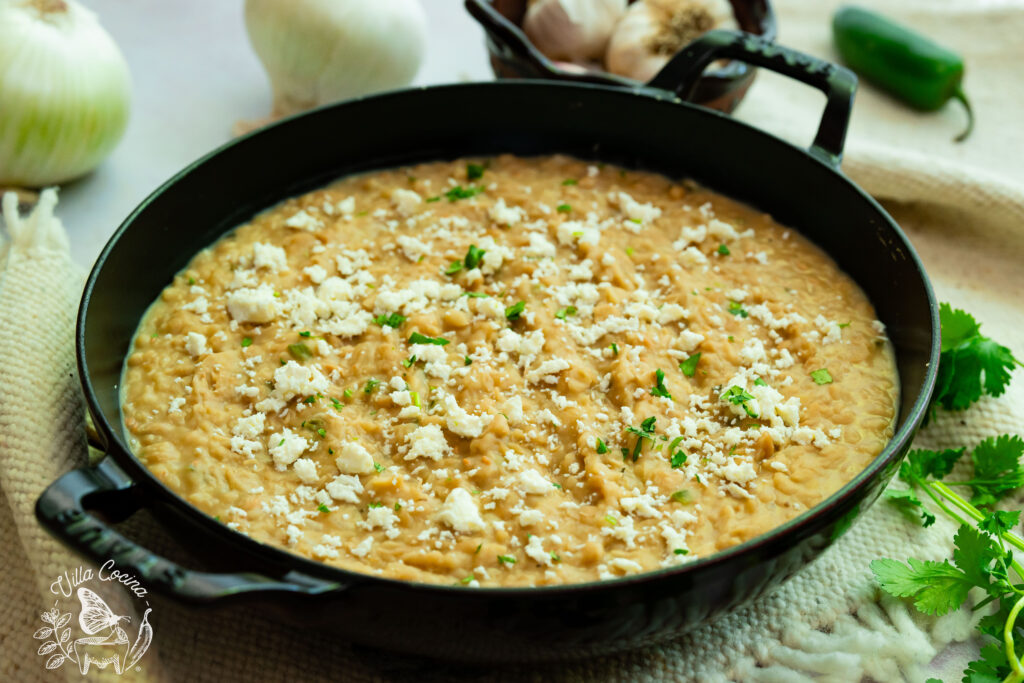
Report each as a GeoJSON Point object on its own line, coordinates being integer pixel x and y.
{"type": "Point", "coordinates": [321, 51]}
{"type": "Point", "coordinates": [65, 92]}
{"type": "Point", "coordinates": [572, 30]}
{"type": "Point", "coordinates": [652, 31]}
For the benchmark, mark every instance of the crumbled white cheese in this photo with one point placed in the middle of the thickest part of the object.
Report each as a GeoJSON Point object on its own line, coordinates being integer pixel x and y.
{"type": "Point", "coordinates": [535, 550]}
{"type": "Point", "coordinates": [302, 221]}
{"type": "Point", "coordinates": [268, 256]}
{"type": "Point", "coordinates": [505, 215]}
{"type": "Point", "coordinates": [548, 371]}
{"type": "Point", "coordinates": [195, 344]}
{"type": "Point", "coordinates": [353, 458]}
{"type": "Point", "coordinates": [427, 441]}
{"type": "Point", "coordinates": [306, 469]}
{"type": "Point", "coordinates": [532, 481]}
{"type": "Point", "coordinates": [460, 512]}
{"type": "Point", "coordinates": [461, 422]}
{"type": "Point", "coordinates": [253, 304]}
{"type": "Point", "coordinates": [345, 487]}
{"type": "Point", "coordinates": [405, 201]}
{"type": "Point", "coordinates": [285, 447]}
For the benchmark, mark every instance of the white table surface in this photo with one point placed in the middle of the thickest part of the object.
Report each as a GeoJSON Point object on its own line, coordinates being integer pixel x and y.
{"type": "Point", "coordinates": [194, 74]}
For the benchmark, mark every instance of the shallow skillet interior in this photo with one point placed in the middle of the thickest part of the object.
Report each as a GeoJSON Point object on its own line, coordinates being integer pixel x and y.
{"type": "Point", "coordinates": [525, 118]}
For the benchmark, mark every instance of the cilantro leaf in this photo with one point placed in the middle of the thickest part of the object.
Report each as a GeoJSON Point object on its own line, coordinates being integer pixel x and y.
{"type": "Point", "coordinates": [974, 554]}
{"type": "Point", "coordinates": [474, 257]}
{"type": "Point", "coordinates": [660, 389]}
{"type": "Point", "coordinates": [417, 338]}
{"type": "Point", "coordinates": [515, 310]}
{"type": "Point", "coordinates": [689, 366]}
{"type": "Point", "coordinates": [937, 587]}
{"type": "Point", "coordinates": [970, 364]}
{"type": "Point", "coordinates": [999, 522]}
{"type": "Point", "coordinates": [997, 468]}
{"type": "Point", "coordinates": [739, 397]}
{"type": "Point", "coordinates": [991, 668]}
{"type": "Point", "coordinates": [459, 192]}
{"type": "Point", "coordinates": [908, 503]}
{"type": "Point", "coordinates": [390, 320]}
{"type": "Point", "coordinates": [921, 463]}
{"type": "Point", "coordinates": [474, 171]}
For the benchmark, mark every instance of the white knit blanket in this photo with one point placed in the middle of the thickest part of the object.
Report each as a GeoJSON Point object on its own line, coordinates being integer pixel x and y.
{"type": "Point", "coordinates": [963, 206]}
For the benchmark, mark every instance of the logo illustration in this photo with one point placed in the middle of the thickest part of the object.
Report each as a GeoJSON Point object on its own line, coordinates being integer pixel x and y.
{"type": "Point", "coordinates": [105, 642]}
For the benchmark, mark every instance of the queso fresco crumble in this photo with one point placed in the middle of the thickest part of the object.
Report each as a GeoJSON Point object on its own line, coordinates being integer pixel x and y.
{"type": "Point", "coordinates": [509, 372]}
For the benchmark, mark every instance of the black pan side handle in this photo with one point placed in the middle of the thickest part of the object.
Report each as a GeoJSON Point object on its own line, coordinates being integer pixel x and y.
{"type": "Point", "coordinates": [680, 76]}
{"type": "Point", "coordinates": [64, 510]}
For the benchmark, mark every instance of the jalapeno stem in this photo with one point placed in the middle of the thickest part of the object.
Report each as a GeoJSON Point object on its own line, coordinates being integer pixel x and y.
{"type": "Point", "coordinates": [958, 94]}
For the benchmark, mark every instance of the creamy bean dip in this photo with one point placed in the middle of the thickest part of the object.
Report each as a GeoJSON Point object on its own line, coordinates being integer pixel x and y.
{"type": "Point", "coordinates": [509, 372]}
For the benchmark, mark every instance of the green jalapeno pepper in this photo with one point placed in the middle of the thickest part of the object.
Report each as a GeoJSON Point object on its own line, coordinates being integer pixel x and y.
{"type": "Point", "coordinates": [905, 64]}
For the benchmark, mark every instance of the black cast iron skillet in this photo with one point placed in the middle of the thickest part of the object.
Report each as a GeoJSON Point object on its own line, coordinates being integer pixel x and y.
{"type": "Point", "coordinates": [648, 128]}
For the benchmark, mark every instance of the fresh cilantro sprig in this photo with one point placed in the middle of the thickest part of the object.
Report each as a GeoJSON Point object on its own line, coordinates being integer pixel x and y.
{"type": "Point", "coordinates": [982, 557]}
{"type": "Point", "coordinates": [971, 364]}
{"type": "Point", "coordinates": [645, 431]}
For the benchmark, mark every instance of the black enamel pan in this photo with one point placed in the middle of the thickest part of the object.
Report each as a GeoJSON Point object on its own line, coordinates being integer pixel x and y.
{"type": "Point", "coordinates": [651, 128]}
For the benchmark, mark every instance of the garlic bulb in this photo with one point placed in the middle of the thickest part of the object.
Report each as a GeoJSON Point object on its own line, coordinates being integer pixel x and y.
{"type": "Point", "coordinates": [64, 92]}
{"type": "Point", "coordinates": [654, 30]}
{"type": "Point", "coordinates": [320, 51]}
{"type": "Point", "coordinates": [573, 30]}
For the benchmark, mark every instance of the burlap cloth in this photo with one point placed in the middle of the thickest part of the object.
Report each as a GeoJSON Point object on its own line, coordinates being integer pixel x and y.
{"type": "Point", "coordinates": [963, 206]}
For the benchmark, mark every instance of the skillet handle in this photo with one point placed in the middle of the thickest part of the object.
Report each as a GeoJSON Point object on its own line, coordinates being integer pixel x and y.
{"type": "Point", "coordinates": [680, 76]}
{"type": "Point", "coordinates": [62, 510]}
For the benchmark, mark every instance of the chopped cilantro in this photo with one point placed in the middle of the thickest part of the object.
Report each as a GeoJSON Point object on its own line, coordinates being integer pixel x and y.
{"type": "Point", "coordinates": [689, 366]}
{"type": "Point", "coordinates": [323, 508]}
{"type": "Point", "coordinates": [602, 448]}
{"type": "Point", "coordinates": [305, 333]}
{"type": "Point", "coordinates": [515, 310]}
{"type": "Point", "coordinates": [739, 397]}
{"type": "Point", "coordinates": [758, 382]}
{"type": "Point", "coordinates": [414, 397]}
{"type": "Point", "coordinates": [281, 442]}
{"type": "Point", "coordinates": [467, 361]}
{"type": "Point", "coordinates": [615, 348]}
{"type": "Point", "coordinates": [474, 171]}
{"type": "Point", "coordinates": [611, 520]}
{"type": "Point", "coordinates": [822, 376]}
{"type": "Point", "coordinates": [474, 257]}
{"type": "Point", "coordinates": [397, 506]}
{"type": "Point", "coordinates": [459, 192]}
{"type": "Point", "coordinates": [842, 325]}
{"type": "Point", "coordinates": [347, 393]}
{"type": "Point", "coordinates": [336, 404]}
{"type": "Point", "coordinates": [563, 208]}
{"type": "Point", "coordinates": [246, 341]}
{"type": "Point", "coordinates": [478, 548]}
{"type": "Point", "coordinates": [723, 250]}
{"type": "Point", "coordinates": [477, 295]}
{"type": "Point", "coordinates": [300, 351]}
{"type": "Point", "coordinates": [390, 320]}
{"type": "Point", "coordinates": [681, 551]}
{"type": "Point", "coordinates": [682, 496]}
{"type": "Point", "coordinates": [433, 199]}
{"type": "Point", "coordinates": [378, 467]}
{"type": "Point", "coordinates": [660, 389]}
{"type": "Point", "coordinates": [554, 557]}
{"type": "Point", "coordinates": [570, 181]}
{"type": "Point", "coordinates": [417, 338]}
{"type": "Point", "coordinates": [506, 559]}
{"type": "Point", "coordinates": [646, 431]}
{"type": "Point", "coordinates": [566, 312]}
{"type": "Point", "coordinates": [376, 504]}
{"type": "Point", "coordinates": [736, 308]}
{"type": "Point", "coordinates": [310, 399]}
{"type": "Point", "coordinates": [453, 267]}
{"type": "Point", "coordinates": [408, 362]}
{"type": "Point", "coordinates": [371, 384]}
{"type": "Point", "coordinates": [191, 280]}
{"type": "Point", "coordinates": [630, 251]}
{"type": "Point", "coordinates": [677, 460]}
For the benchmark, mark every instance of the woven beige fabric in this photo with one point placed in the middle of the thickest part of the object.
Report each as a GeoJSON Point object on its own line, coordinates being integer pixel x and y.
{"type": "Point", "coordinates": [962, 206]}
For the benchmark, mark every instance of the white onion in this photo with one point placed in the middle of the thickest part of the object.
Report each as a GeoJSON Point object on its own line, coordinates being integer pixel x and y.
{"type": "Point", "coordinates": [320, 51]}
{"type": "Point", "coordinates": [64, 92]}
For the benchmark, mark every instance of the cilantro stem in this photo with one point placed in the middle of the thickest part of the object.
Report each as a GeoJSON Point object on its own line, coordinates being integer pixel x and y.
{"type": "Point", "coordinates": [1011, 654]}
{"type": "Point", "coordinates": [927, 486]}
{"type": "Point", "coordinates": [973, 512]}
